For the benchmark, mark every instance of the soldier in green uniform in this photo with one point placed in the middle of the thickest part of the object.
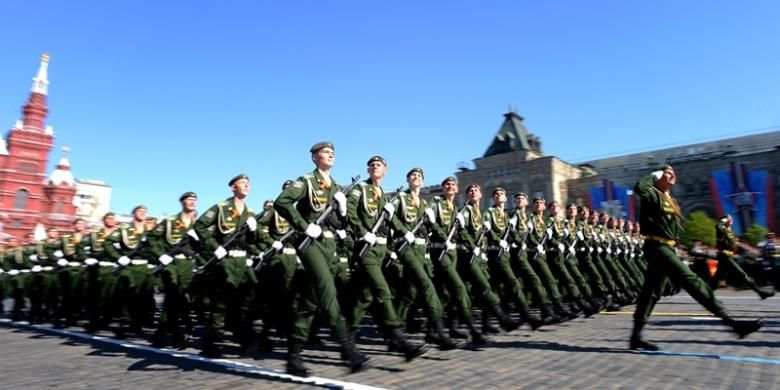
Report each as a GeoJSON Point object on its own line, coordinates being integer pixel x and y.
{"type": "Point", "coordinates": [133, 301]}
{"type": "Point", "coordinates": [587, 258]}
{"type": "Point", "coordinates": [411, 208]}
{"type": "Point", "coordinates": [726, 244]}
{"type": "Point", "coordinates": [177, 259]}
{"type": "Point", "coordinates": [365, 204]}
{"type": "Point", "coordinates": [231, 280]}
{"type": "Point", "coordinates": [41, 285]}
{"type": "Point", "coordinates": [445, 263]}
{"type": "Point", "coordinates": [571, 238]}
{"type": "Point", "coordinates": [70, 260]}
{"type": "Point", "coordinates": [19, 266]}
{"type": "Point", "coordinates": [661, 218]}
{"type": "Point", "coordinates": [275, 288]}
{"type": "Point", "coordinates": [623, 293]}
{"type": "Point", "coordinates": [100, 279]}
{"type": "Point", "coordinates": [301, 204]}
{"type": "Point", "coordinates": [470, 248]}
{"type": "Point", "coordinates": [501, 273]}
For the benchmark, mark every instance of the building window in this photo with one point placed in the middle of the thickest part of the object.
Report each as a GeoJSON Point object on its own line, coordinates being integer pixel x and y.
{"type": "Point", "coordinates": [59, 207]}
{"type": "Point", "coordinates": [16, 224]}
{"type": "Point", "coordinates": [28, 167]}
{"type": "Point", "coordinates": [21, 199]}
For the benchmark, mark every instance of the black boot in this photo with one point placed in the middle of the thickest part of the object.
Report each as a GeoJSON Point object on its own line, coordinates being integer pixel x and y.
{"type": "Point", "coordinates": [210, 347]}
{"type": "Point", "coordinates": [506, 322]}
{"type": "Point", "coordinates": [637, 343]}
{"type": "Point", "coordinates": [487, 327]}
{"type": "Point", "coordinates": [158, 339]}
{"type": "Point", "coordinates": [294, 362]}
{"type": "Point", "coordinates": [180, 339]}
{"type": "Point", "coordinates": [586, 307]}
{"type": "Point", "coordinates": [562, 312]}
{"type": "Point", "coordinates": [530, 318]}
{"type": "Point", "coordinates": [477, 338]}
{"type": "Point", "coordinates": [610, 305]}
{"type": "Point", "coordinates": [349, 353]}
{"type": "Point", "coordinates": [548, 315]}
{"type": "Point", "coordinates": [437, 336]}
{"type": "Point", "coordinates": [455, 333]}
{"type": "Point", "coordinates": [741, 327]}
{"type": "Point", "coordinates": [763, 291]}
{"type": "Point", "coordinates": [410, 350]}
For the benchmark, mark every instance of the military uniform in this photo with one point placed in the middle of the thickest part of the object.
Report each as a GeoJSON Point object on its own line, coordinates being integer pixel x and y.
{"type": "Point", "coordinates": [726, 243]}
{"type": "Point", "coordinates": [71, 276]}
{"type": "Point", "coordinates": [18, 267]}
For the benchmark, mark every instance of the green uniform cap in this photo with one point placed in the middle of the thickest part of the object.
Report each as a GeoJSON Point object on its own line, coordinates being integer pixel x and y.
{"type": "Point", "coordinates": [540, 199]}
{"type": "Point", "coordinates": [140, 206]}
{"type": "Point", "coordinates": [321, 145]}
{"type": "Point", "coordinates": [286, 184]}
{"type": "Point", "coordinates": [519, 194]}
{"type": "Point", "coordinates": [555, 202]}
{"type": "Point", "coordinates": [188, 194]}
{"type": "Point", "coordinates": [473, 185]}
{"type": "Point", "coordinates": [498, 189]}
{"type": "Point", "coordinates": [237, 178]}
{"type": "Point", "coordinates": [449, 178]}
{"type": "Point", "coordinates": [416, 169]}
{"type": "Point", "coordinates": [376, 158]}
{"type": "Point", "coordinates": [666, 167]}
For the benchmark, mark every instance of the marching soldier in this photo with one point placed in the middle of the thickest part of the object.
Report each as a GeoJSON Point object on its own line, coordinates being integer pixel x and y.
{"type": "Point", "coordinates": [100, 279]}
{"type": "Point", "coordinates": [70, 262]}
{"type": "Point", "coordinates": [587, 258]}
{"type": "Point", "coordinates": [169, 243]}
{"type": "Point", "coordinates": [661, 218]}
{"type": "Point", "coordinates": [230, 279]}
{"type": "Point", "coordinates": [18, 268]}
{"type": "Point", "coordinates": [727, 242]}
{"type": "Point", "coordinates": [368, 285]}
{"type": "Point", "coordinates": [301, 204]}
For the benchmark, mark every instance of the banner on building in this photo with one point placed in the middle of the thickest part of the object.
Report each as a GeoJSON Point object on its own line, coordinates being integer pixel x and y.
{"type": "Point", "coordinates": [613, 199]}
{"type": "Point", "coordinates": [744, 193]}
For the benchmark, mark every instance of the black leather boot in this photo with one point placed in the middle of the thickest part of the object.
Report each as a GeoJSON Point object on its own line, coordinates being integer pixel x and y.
{"type": "Point", "coordinates": [294, 362]}
{"type": "Point", "coordinates": [409, 349]}
{"type": "Point", "coordinates": [741, 327]}
{"type": "Point", "coordinates": [506, 322]}
{"type": "Point", "coordinates": [437, 336]}
{"type": "Point", "coordinates": [533, 320]}
{"type": "Point", "coordinates": [763, 291]}
{"type": "Point", "coordinates": [637, 343]}
{"type": "Point", "coordinates": [349, 353]}
{"type": "Point", "coordinates": [487, 327]}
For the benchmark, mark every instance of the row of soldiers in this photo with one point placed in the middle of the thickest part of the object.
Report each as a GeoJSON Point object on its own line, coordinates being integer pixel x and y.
{"type": "Point", "coordinates": [323, 255]}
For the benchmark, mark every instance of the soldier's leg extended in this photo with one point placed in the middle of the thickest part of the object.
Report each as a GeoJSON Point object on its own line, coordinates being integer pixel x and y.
{"type": "Point", "coordinates": [474, 273]}
{"type": "Point", "coordinates": [451, 285]}
{"type": "Point", "coordinates": [502, 271]}
{"type": "Point", "coordinates": [727, 265]}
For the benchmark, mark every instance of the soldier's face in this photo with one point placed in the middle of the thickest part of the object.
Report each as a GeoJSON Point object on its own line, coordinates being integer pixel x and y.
{"type": "Point", "coordinates": [554, 209]}
{"type": "Point", "coordinates": [499, 197]}
{"type": "Point", "coordinates": [80, 226]}
{"type": "Point", "coordinates": [521, 202]}
{"type": "Point", "coordinates": [268, 205]}
{"type": "Point", "coordinates": [150, 224]}
{"type": "Point", "coordinates": [668, 180]}
{"type": "Point", "coordinates": [450, 188]}
{"type": "Point", "coordinates": [109, 221]}
{"type": "Point", "coordinates": [189, 203]}
{"type": "Point", "coordinates": [13, 242]}
{"type": "Point", "coordinates": [415, 180]}
{"type": "Point", "coordinates": [571, 212]}
{"type": "Point", "coordinates": [474, 194]}
{"type": "Point", "coordinates": [539, 206]}
{"type": "Point", "coordinates": [585, 214]}
{"type": "Point", "coordinates": [140, 214]}
{"type": "Point", "coordinates": [53, 234]}
{"type": "Point", "coordinates": [241, 188]}
{"type": "Point", "coordinates": [324, 158]}
{"type": "Point", "coordinates": [377, 170]}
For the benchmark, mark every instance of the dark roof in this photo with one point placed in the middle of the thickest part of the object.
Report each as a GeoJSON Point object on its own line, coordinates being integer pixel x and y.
{"type": "Point", "coordinates": [513, 136]}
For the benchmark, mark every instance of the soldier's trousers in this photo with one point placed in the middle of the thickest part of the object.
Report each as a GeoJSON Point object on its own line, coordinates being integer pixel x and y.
{"type": "Point", "coordinates": [727, 266]}
{"type": "Point", "coordinates": [591, 272]}
{"type": "Point", "coordinates": [524, 271]}
{"type": "Point", "coordinates": [571, 264]}
{"type": "Point", "coordinates": [231, 287]}
{"type": "Point", "coordinates": [71, 286]}
{"type": "Point", "coordinates": [275, 292]}
{"type": "Point", "coordinates": [318, 291]}
{"type": "Point", "coordinates": [474, 273]}
{"type": "Point", "coordinates": [558, 267]}
{"type": "Point", "coordinates": [417, 283]}
{"type": "Point", "coordinates": [176, 278]}
{"type": "Point", "coordinates": [368, 285]}
{"type": "Point", "coordinates": [501, 274]}
{"type": "Point", "coordinates": [449, 282]}
{"type": "Point", "coordinates": [134, 299]}
{"type": "Point", "coordinates": [663, 266]}
{"type": "Point", "coordinates": [614, 271]}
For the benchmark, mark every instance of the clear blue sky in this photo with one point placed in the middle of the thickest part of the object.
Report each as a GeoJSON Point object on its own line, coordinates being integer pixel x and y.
{"type": "Point", "coordinates": [160, 97]}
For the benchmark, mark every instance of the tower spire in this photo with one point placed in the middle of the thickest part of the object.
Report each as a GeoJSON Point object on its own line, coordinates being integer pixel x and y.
{"type": "Point", "coordinates": [35, 110]}
{"type": "Point", "coordinates": [41, 80]}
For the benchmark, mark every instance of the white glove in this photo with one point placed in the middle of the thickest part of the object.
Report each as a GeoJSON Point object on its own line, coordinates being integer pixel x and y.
{"type": "Point", "coordinates": [33, 257]}
{"type": "Point", "coordinates": [409, 237]}
{"type": "Point", "coordinates": [580, 236]}
{"type": "Point", "coordinates": [220, 252]}
{"type": "Point", "coordinates": [342, 201]}
{"type": "Point", "coordinates": [503, 244]}
{"type": "Point", "coordinates": [513, 222]}
{"type": "Point", "coordinates": [37, 268]}
{"type": "Point", "coordinates": [1, 272]}
{"type": "Point", "coordinates": [249, 262]}
{"type": "Point", "coordinates": [59, 253]}
{"type": "Point", "coordinates": [487, 225]}
{"type": "Point", "coordinates": [394, 255]}
{"type": "Point", "coordinates": [341, 233]}
{"type": "Point", "coordinates": [565, 231]}
{"type": "Point", "coordinates": [430, 215]}
{"type": "Point", "coordinates": [477, 251]}
{"type": "Point", "coordinates": [13, 272]}
{"type": "Point", "coordinates": [657, 174]}
{"type": "Point", "coordinates": [449, 245]}
{"type": "Point", "coordinates": [530, 225]}
{"type": "Point", "coordinates": [62, 262]}
{"type": "Point", "coordinates": [277, 245]}
{"type": "Point", "coordinates": [91, 261]}
{"type": "Point", "coordinates": [313, 230]}
{"type": "Point", "coordinates": [549, 232]}
{"type": "Point", "coordinates": [461, 219]}
{"type": "Point", "coordinates": [390, 209]}
{"type": "Point", "coordinates": [165, 259]}
{"type": "Point", "coordinates": [123, 261]}
{"type": "Point", "coordinates": [603, 237]}
{"type": "Point", "coordinates": [540, 248]}
{"type": "Point", "coordinates": [251, 223]}
{"type": "Point", "coordinates": [561, 248]}
{"type": "Point", "coordinates": [370, 238]}
{"type": "Point", "coordinates": [572, 249]}
{"type": "Point", "coordinates": [193, 234]}
{"type": "Point", "coordinates": [599, 250]}
{"type": "Point", "coordinates": [524, 247]}
{"type": "Point", "coordinates": [609, 250]}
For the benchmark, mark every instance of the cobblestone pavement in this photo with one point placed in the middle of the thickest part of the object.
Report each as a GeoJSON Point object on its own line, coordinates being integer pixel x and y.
{"type": "Point", "coordinates": [698, 352]}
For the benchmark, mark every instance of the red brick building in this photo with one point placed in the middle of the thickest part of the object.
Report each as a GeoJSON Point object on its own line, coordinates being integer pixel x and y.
{"type": "Point", "coordinates": [28, 198]}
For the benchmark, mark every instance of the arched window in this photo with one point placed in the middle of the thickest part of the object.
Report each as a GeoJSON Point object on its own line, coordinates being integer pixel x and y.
{"type": "Point", "coordinates": [21, 199]}
{"type": "Point", "coordinates": [59, 206]}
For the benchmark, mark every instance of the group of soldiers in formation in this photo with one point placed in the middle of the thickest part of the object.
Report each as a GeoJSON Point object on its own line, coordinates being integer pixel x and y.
{"type": "Point", "coordinates": [321, 255]}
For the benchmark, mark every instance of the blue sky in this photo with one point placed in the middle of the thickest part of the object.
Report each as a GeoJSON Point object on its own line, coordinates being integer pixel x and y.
{"type": "Point", "coordinates": [161, 97]}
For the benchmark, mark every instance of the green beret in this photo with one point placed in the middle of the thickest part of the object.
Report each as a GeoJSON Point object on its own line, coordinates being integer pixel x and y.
{"type": "Point", "coordinates": [376, 158]}
{"type": "Point", "coordinates": [666, 167]}
{"type": "Point", "coordinates": [188, 194]}
{"type": "Point", "coordinates": [321, 145]}
{"type": "Point", "coordinates": [519, 194]}
{"type": "Point", "coordinates": [498, 189]}
{"type": "Point", "coordinates": [416, 169]}
{"type": "Point", "coordinates": [237, 178]}
{"type": "Point", "coordinates": [449, 178]}
{"type": "Point", "coordinates": [472, 185]}
{"type": "Point", "coordinates": [555, 202]}
{"type": "Point", "coordinates": [140, 206]}
{"type": "Point", "coordinates": [286, 184]}
{"type": "Point", "coordinates": [540, 199]}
